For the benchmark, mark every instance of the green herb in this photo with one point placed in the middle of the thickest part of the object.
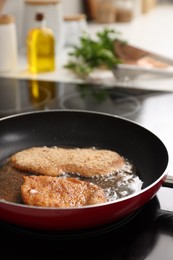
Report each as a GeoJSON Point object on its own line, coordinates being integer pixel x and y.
{"type": "Point", "coordinates": [94, 53]}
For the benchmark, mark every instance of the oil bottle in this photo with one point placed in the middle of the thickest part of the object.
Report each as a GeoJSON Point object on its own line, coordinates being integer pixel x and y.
{"type": "Point", "coordinates": [41, 47]}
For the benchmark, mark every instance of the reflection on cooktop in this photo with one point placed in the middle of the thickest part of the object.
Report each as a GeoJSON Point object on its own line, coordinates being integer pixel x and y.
{"type": "Point", "coordinates": [102, 101]}
{"type": "Point", "coordinates": [17, 95]}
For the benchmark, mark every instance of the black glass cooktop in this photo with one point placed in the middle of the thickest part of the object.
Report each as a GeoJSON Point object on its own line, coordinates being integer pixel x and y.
{"type": "Point", "coordinates": [147, 234]}
{"type": "Point", "coordinates": [17, 95]}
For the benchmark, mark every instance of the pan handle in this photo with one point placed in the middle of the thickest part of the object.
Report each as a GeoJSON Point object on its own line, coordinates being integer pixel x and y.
{"type": "Point", "coordinates": [168, 182]}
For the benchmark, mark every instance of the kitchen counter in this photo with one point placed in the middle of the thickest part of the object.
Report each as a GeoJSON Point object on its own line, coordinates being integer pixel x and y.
{"type": "Point", "coordinates": [149, 31]}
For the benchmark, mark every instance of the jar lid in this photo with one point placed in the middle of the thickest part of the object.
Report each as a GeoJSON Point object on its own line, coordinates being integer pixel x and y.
{"type": "Point", "coordinates": [76, 17]}
{"type": "Point", "coordinates": [6, 19]}
{"type": "Point", "coordinates": [42, 2]}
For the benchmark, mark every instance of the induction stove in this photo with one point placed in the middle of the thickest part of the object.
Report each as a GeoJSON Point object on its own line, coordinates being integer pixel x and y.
{"type": "Point", "coordinates": [145, 234]}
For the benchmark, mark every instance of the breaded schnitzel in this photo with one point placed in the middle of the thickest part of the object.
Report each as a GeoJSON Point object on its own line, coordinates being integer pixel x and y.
{"type": "Point", "coordinates": [55, 161]}
{"type": "Point", "coordinates": [48, 191]}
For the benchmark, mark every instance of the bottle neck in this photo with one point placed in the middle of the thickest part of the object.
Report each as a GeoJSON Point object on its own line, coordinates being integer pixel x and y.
{"type": "Point", "coordinates": [40, 20]}
{"type": "Point", "coordinates": [43, 23]}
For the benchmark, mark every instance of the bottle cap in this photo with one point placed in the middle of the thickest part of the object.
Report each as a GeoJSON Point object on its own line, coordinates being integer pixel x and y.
{"type": "Point", "coordinates": [39, 16]}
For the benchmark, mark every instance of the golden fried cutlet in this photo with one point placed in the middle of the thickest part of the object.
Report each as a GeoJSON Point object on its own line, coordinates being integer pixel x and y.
{"type": "Point", "coordinates": [48, 191]}
{"type": "Point", "coordinates": [86, 162]}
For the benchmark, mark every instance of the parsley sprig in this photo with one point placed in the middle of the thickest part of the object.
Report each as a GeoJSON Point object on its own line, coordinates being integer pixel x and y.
{"type": "Point", "coordinates": [94, 53]}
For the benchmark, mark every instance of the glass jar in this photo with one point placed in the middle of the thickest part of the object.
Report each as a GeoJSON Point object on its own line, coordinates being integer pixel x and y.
{"type": "Point", "coordinates": [74, 27]}
{"type": "Point", "coordinates": [106, 11]}
{"type": "Point", "coordinates": [124, 10]}
{"type": "Point", "coordinates": [8, 39]}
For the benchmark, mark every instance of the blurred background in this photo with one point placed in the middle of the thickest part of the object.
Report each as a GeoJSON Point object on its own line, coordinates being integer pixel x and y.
{"type": "Point", "coordinates": [98, 11]}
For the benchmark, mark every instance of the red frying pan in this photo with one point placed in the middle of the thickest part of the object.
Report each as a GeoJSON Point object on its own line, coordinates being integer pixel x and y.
{"type": "Point", "coordinates": [76, 128]}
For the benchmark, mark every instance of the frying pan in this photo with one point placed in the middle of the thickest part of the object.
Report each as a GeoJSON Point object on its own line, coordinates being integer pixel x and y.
{"type": "Point", "coordinates": [79, 128]}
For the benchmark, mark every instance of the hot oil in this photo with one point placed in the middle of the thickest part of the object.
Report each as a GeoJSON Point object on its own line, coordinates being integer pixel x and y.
{"type": "Point", "coordinates": [115, 185]}
{"type": "Point", "coordinates": [10, 182]}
